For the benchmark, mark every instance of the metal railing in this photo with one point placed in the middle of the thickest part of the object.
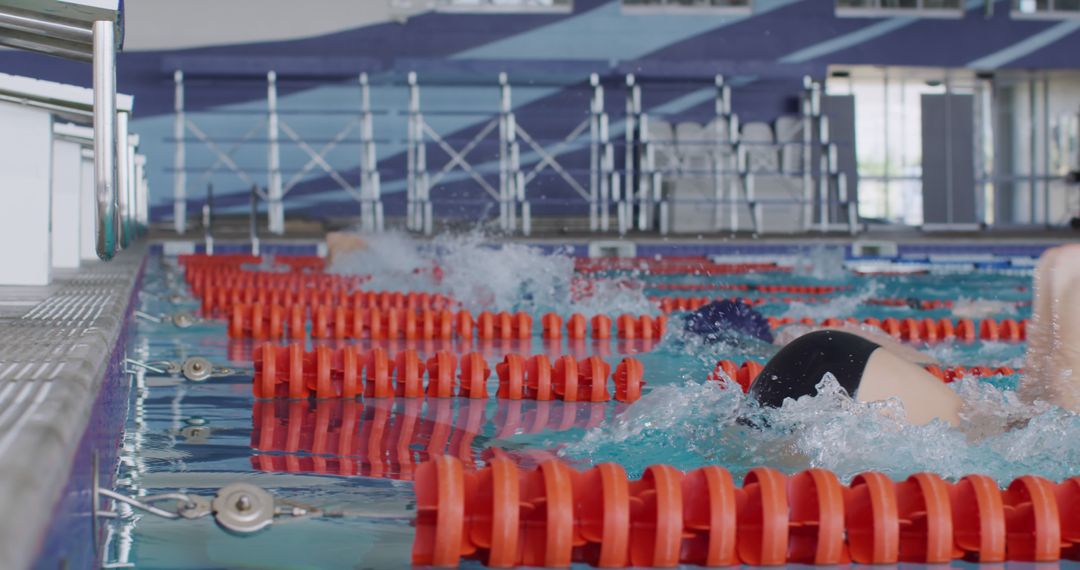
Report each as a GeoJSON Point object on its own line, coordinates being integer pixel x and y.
{"type": "Point", "coordinates": [86, 33]}
{"type": "Point", "coordinates": [622, 180]}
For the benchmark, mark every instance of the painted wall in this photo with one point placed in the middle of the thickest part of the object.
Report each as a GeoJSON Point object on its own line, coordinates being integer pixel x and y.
{"type": "Point", "coordinates": [319, 46]}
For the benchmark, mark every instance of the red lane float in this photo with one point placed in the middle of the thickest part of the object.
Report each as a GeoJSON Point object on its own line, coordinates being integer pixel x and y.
{"type": "Point", "coordinates": [390, 438]}
{"type": "Point", "coordinates": [682, 304]}
{"type": "Point", "coordinates": [291, 262]}
{"type": "Point", "coordinates": [554, 515]}
{"type": "Point", "coordinates": [761, 288]}
{"type": "Point", "coordinates": [262, 322]}
{"type": "Point", "coordinates": [350, 322]}
{"type": "Point", "coordinates": [202, 260]}
{"type": "Point", "coordinates": [928, 330]}
{"type": "Point", "coordinates": [744, 373]}
{"type": "Point", "coordinates": [671, 266]}
{"type": "Point", "coordinates": [216, 301]}
{"type": "Point", "coordinates": [289, 371]}
{"type": "Point", "coordinates": [200, 280]}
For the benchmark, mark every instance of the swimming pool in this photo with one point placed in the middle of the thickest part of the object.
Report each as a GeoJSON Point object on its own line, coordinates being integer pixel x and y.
{"type": "Point", "coordinates": [358, 455]}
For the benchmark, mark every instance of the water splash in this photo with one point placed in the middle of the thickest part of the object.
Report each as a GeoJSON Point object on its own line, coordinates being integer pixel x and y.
{"type": "Point", "coordinates": [839, 306]}
{"type": "Point", "coordinates": [483, 276]}
{"type": "Point", "coordinates": [690, 425]}
{"type": "Point", "coordinates": [392, 259]}
{"type": "Point", "coordinates": [821, 261]}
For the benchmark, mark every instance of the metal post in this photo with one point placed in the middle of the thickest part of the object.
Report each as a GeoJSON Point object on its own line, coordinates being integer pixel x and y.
{"type": "Point", "coordinates": [609, 176]}
{"type": "Point", "coordinates": [411, 151]}
{"type": "Point", "coordinates": [140, 193]}
{"type": "Point", "coordinates": [630, 158]}
{"type": "Point", "coordinates": [105, 137]}
{"type": "Point", "coordinates": [253, 221]}
{"type": "Point", "coordinates": [275, 209]}
{"type": "Point", "coordinates": [208, 220]}
{"type": "Point", "coordinates": [410, 156]}
{"type": "Point", "coordinates": [133, 141]}
{"type": "Point", "coordinates": [717, 154]}
{"type": "Point", "coordinates": [122, 179]}
{"type": "Point", "coordinates": [824, 169]}
{"type": "Point", "coordinates": [504, 152]}
{"type": "Point", "coordinates": [645, 171]}
{"type": "Point", "coordinates": [596, 110]}
{"type": "Point", "coordinates": [143, 190]}
{"type": "Point", "coordinates": [807, 153]}
{"type": "Point", "coordinates": [423, 189]}
{"type": "Point", "coordinates": [622, 210]}
{"type": "Point", "coordinates": [369, 183]}
{"type": "Point", "coordinates": [852, 206]}
{"type": "Point", "coordinates": [737, 152]}
{"type": "Point", "coordinates": [179, 156]}
{"type": "Point", "coordinates": [1046, 149]}
{"type": "Point", "coordinates": [516, 178]}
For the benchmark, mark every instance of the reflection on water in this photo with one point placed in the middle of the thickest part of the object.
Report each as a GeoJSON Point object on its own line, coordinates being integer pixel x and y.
{"type": "Point", "coordinates": [389, 438]}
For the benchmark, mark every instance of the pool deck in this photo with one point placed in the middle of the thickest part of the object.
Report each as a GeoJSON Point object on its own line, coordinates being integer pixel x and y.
{"type": "Point", "coordinates": [55, 346]}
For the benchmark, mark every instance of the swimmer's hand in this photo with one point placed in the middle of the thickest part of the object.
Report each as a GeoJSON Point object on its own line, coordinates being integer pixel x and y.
{"type": "Point", "coordinates": [340, 243]}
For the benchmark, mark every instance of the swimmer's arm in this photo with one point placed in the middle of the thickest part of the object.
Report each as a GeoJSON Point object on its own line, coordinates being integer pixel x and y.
{"type": "Point", "coordinates": [340, 243]}
{"type": "Point", "coordinates": [1052, 367]}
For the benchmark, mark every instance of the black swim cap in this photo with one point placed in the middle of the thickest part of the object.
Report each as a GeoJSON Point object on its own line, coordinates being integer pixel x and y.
{"type": "Point", "coordinates": [726, 318]}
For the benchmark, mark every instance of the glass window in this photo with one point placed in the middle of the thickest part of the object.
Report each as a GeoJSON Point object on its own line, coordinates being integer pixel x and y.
{"type": "Point", "coordinates": [681, 5]}
{"type": "Point", "coordinates": [933, 8]}
{"type": "Point", "coordinates": [504, 5]}
{"type": "Point", "coordinates": [1045, 8]}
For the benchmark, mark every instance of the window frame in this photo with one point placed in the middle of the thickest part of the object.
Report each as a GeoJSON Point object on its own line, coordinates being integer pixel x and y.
{"type": "Point", "coordinates": [919, 11]}
{"type": "Point", "coordinates": [486, 7]}
{"type": "Point", "coordinates": [676, 10]}
{"type": "Point", "coordinates": [1051, 14]}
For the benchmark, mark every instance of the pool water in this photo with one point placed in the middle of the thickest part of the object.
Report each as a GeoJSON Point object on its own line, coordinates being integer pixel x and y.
{"type": "Point", "coordinates": [197, 437]}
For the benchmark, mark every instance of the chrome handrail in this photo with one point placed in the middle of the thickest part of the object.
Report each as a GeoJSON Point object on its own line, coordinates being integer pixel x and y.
{"type": "Point", "coordinates": [105, 137]}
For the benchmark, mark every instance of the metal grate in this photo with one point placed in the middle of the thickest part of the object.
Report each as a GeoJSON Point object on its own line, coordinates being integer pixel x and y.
{"type": "Point", "coordinates": [52, 363]}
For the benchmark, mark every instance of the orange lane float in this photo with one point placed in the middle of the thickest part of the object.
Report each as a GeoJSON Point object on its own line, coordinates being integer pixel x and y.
{"type": "Point", "coordinates": [217, 301]}
{"type": "Point", "coordinates": [671, 266]}
{"type": "Point", "coordinates": [761, 288]}
{"type": "Point", "coordinates": [744, 373]}
{"type": "Point", "coordinates": [928, 330]}
{"type": "Point", "coordinates": [346, 372]}
{"type": "Point", "coordinates": [199, 280]}
{"type": "Point", "coordinates": [344, 321]}
{"type": "Point", "coordinates": [553, 515]}
{"type": "Point", "coordinates": [674, 304]}
{"type": "Point", "coordinates": [390, 438]}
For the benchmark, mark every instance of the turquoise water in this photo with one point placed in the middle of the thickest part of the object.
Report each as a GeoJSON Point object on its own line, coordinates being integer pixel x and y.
{"type": "Point", "coordinates": [196, 437]}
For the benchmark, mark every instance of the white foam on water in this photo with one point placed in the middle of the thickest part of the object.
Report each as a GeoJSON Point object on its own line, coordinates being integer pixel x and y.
{"type": "Point", "coordinates": [838, 306]}
{"type": "Point", "coordinates": [392, 259]}
{"type": "Point", "coordinates": [695, 424]}
{"type": "Point", "coordinates": [482, 276]}
{"type": "Point", "coordinates": [821, 261]}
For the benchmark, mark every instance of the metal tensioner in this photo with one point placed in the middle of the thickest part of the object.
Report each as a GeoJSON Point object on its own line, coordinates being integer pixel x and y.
{"type": "Point", "coordinates": [239, 508]}
{"type": "Point", "coordinates": [194, 368]}
{"type": "Point", "coordinates": [180, 320]}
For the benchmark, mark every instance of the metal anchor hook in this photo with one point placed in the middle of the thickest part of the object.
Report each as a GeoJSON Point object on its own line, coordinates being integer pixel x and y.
{"type": "Point", "coordinates": [195, 368]}
{"type": "Point", "coordinates": [183, 320]}
{"type": "Point", "coordinates": [180, 320]}
{"type": "Point", "coordinates": [239, 508]}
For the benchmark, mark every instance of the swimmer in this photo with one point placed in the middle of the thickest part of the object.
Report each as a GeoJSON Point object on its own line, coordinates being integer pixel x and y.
{"type": "Point", "coordinates": [340, 243]}
{"type": "Point", "coordinates": [871, 366]}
